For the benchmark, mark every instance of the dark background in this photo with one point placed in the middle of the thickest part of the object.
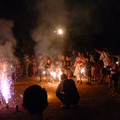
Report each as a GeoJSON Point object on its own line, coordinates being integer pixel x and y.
{"type": "Point", "coordinates": [90, 23]}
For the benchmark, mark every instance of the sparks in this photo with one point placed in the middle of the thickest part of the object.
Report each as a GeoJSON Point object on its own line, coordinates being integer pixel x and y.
{"type": "Point", "coordinates": [5, 81]}
{"type": "Point", "coordinates": [53, 74]}
{"type": "Point", "coordinates": [56, 74]}
{"type": "Point", "coordinates": [59, 75]}
{"type": "Point", "coordinates": [5, 87]}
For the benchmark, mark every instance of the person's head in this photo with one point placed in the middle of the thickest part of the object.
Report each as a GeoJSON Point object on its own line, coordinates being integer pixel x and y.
{"type": "Point", "coordinates": [63, 57]}
{"type": "Point", "coordinates": [73, 52]}
{"type": "Point", "coordinates": [79, 54]}
{"type": "Point", "coordinates": [35, 99]}
{"type": "Point", "coordinates": [63, 76]}
{"type": "Point", "coordinates": [39, 56]}
{"type": "Point", "coordinates": [87, 52]}
{"type": "Point", "coordinates": [96, 50]}
{"type": "Point", "coordinates": [67, 58]}
{"type": "Point", "coordinates": [48, 60]}
{"type": "Point", "coordinates": [82, 54]}
{"type": "Point", "coordinates": [87, 58]}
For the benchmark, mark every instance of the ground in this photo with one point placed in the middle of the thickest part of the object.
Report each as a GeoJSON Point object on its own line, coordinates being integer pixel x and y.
{"type": "Point", "coordinates": [95, 102]}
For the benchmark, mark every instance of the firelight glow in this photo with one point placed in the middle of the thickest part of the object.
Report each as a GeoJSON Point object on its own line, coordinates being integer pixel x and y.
{"type": "Point", "coordinates": [56, 75]}
{"type": "Point", "coordinates": [53, 74]}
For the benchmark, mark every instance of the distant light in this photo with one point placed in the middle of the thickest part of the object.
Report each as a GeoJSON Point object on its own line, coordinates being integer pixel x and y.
{"type": "Point", "coordinates": [60, 31]}
{"type": "Point", "coordinates": [116, 62]}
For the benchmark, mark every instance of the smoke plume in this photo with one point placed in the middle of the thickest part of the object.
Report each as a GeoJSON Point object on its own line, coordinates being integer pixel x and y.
{"type": "Point", "coordinates": [52, 16]}
{"type": "Point", "coordinates": [7, 40]}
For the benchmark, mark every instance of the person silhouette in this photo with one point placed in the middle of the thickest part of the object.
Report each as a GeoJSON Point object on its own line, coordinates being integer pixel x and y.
{"type": "Point", "coordinates": [35, 101]}
{"type": "Point", "coordinates": [67, 92]}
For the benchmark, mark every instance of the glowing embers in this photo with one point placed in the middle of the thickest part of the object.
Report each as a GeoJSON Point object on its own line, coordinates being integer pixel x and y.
{"type": "Point", "coordinates": [56, 75]}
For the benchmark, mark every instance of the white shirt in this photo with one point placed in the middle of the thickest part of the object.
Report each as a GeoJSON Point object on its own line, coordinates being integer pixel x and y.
{"type": "Point", "coordinates": [104, 57]}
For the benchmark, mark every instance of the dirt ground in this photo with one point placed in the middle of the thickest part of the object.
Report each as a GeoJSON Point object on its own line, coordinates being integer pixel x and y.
{"type": "Point", "coordinates": [95, 103]}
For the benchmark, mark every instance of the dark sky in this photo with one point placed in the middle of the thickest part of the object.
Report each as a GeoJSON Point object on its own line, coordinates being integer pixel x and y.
{"type": "Point", "coordinates": [86, 22]}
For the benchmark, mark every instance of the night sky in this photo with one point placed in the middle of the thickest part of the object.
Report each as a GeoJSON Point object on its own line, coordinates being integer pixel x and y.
{"type": "Point", "coordinates": [86, 23]}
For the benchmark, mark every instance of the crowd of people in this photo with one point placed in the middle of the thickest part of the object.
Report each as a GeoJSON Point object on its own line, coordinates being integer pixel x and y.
{"type": "Point", "coordinates": [95, 67]}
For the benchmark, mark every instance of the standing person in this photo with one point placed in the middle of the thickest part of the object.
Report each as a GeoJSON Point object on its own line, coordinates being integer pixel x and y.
{"type": "Point", "coordinates": [67, 92]}
{"type": "Point", "coordinates": [62, 63]}
{"type": "Point", "coordinates": [105, 58]}
{"type": "Point", "coordinates": [98, 65]}
{"type": "Point", "coordinates": [87, 54]}
{"type": "Point", "coordinates": [78, 66]}
{"type": "Point", "coordinates": [35, 101]}
{"type": "Point", "coordinates": [88, 70]}
{"type": "Point", "coordinates": [68, 64]}
{"type": "Point", "coordinates": [34, 65]}
{"type": "Point", "coordinates": [27, 63]}
{"type": "Point", "coordinates": [48, 67]}
{"type": "Point", "coordinates": [40, 65]}
{"type": "Point", "coordinates": [91, 57]}
{"type": "Point", "coordinates": [73, 58]}
{"type": "Point", "coordinates": [57, 69]}
{"type": "Point", "coordinates": [114, 76]}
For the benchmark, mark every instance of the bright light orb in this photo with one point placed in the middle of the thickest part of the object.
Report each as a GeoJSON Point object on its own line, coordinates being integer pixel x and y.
{"type": "Point", "coordinates": [60, 31]}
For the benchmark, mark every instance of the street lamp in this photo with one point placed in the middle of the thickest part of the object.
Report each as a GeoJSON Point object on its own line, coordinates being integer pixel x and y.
{"type": "Point", "coordinates": [60, 31]}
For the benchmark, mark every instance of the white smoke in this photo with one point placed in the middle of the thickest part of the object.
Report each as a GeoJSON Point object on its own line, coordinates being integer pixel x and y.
{"type": "Point", "coordinates": [7, 39]}
{"type": "Point", "coordinates": [52, 16]}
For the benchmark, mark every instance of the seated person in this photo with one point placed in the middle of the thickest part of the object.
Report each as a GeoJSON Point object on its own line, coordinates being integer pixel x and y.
{"type": "Point", "coordinates": [35, 101]}
{"type": "Point", "coordinates": [67, 92]}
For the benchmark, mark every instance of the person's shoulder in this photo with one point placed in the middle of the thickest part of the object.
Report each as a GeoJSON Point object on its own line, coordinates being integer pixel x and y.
{"type": "Point", "coordinates": [69, 80]}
